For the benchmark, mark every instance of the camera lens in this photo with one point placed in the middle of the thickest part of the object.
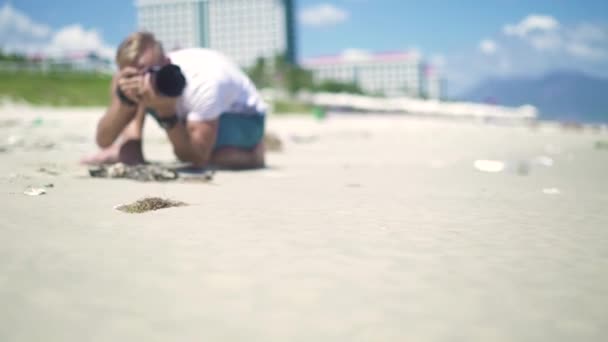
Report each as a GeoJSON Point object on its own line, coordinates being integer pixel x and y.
{"type": "Point", "coordinates": [170, 80]}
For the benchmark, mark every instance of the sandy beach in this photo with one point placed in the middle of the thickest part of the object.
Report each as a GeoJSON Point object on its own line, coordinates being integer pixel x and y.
{"type": "Point", "coordinates": [364, 228]}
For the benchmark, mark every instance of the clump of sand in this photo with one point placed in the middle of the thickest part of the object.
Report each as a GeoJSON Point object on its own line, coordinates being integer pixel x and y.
{"type": "Point", "coordinates": [149, 204]}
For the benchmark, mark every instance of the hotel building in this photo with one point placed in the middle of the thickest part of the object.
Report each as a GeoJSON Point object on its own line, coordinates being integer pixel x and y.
{"type": "Point", "coordinates": [242, 29]}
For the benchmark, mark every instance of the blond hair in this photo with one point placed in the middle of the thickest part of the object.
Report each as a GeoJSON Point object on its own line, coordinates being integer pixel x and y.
{"type": "Point", "coordinates": [133, 46]}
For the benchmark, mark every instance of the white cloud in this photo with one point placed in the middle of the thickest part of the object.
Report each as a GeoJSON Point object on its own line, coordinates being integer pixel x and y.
{"type": "Point", "coordinates": [542, 32]}
{"type": "Point", "coordinates": [587, 41]}
{"type": "Point", "coordinates": [323, 15]}
{"type": "Point", "coordinates": [536, 45]}
{"type": "Point", "coordinates": [531, 23]}
{"type": "Point", "coordinates": [12, 21]}
{"type": "Point", "coordinates": [589, 32]}
{"type": "Point", "coordinates": [76, 38]}
{"type": "Point", "coordinates": [19, 33]}
{"type": "Point", "coordinates": [585, 51]}
{"type": "Point", "coordinates": [545, 33]}
{"type": "Point", "coordinates": [546, 41]}
{"type": "Point", "coordinates": [488, 47]}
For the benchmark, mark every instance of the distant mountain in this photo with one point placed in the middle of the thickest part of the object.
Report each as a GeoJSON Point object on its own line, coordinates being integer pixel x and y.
{"type": "Point", "coordinates": [559, 95]}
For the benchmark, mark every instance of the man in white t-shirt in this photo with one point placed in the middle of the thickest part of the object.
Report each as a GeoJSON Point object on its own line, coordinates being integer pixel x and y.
{"type": "Point", "coordinates": [211, 111]}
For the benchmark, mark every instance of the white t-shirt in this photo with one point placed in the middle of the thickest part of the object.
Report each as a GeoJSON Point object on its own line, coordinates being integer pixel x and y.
{"type": "Point", "coordinates": [214, 85]}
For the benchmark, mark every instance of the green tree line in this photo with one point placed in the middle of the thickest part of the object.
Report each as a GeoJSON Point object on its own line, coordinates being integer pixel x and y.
{"type": "Point", "coordinates": [277, 72]}
{"type": "Point", "coordinates": [11, 57]}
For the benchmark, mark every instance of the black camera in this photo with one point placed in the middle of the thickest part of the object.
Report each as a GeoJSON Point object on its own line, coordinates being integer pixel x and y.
{"type": "Point", "coordinates": [168, 79]}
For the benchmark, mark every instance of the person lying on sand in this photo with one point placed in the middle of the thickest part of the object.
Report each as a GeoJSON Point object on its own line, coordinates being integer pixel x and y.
{"type": "Point", "coordinates": [210, 109]}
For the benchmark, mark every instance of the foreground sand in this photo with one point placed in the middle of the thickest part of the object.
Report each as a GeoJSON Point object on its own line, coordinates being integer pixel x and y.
{"type": "Point", "coordinates": [363, 229]}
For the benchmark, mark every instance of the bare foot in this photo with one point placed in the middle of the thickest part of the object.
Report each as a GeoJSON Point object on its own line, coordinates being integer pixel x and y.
{"type": "Point", "coordinates": [105, 156]}
{"type": "Point", "coordinates": [130, 152]}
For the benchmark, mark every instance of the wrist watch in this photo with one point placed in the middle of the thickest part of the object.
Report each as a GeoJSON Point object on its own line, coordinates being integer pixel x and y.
{"type": "Point", "coordinates": [124, 99]}
{"type": "Point", "coordinates": [166, 123]}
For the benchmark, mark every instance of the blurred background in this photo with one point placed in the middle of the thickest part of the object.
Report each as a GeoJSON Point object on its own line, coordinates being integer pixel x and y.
{"type": "Point", "coordinates": [546, 59]}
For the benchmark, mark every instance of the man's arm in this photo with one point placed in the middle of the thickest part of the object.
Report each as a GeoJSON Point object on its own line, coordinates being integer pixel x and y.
{"type": "Point", "coordinates": [194, 141]}
{"type": "Point", "coordinates": [117, 116]}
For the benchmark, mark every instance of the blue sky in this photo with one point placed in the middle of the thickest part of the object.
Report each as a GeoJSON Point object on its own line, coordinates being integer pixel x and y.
{"type": "Point", "coordinates": [470, 39]}
{"type": "Point", "coordinates": [432, 25]}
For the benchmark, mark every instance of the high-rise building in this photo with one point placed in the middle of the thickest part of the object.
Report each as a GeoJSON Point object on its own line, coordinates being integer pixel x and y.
{"type": "Point", "coordinates": [242, 29]}
{"type": "Point", "coordinates": [389, 73]}
{"type": "Point", "coordinates": [431, 83]}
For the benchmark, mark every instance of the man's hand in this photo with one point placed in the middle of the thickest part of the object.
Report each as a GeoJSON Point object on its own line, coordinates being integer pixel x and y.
{"type": "Point", "coordinates": [118, 115]}
{"type": "Point", "coordinates": [130, 83]}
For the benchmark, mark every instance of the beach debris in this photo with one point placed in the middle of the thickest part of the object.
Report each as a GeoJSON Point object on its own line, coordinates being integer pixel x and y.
{"type": "Point", "coordinates": [319, 113]}
{"type": "Point", "coordinates": [551, 191]}
{"type": "Point", "coordinates": [50, 185]}
{"type": "Point", "coordinates": [601, 145]}
{"type": "Point", "coordinates": [272, 143]}
{"type": "Point", "coordinates": [142, 172]}
{"type": "Point", "coordinates": [37, 122]}
{"type": "Point", "coordinates": [33, 191]}
{"type": "Point", "coordinates": [152, 172]}
{"type": "Point", "coordinates": [148, 204]}
{"type": "Point", "coordinates": [491, 166]}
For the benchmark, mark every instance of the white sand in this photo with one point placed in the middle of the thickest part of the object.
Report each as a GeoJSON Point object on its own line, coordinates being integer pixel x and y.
{"type": "Point", "coordinates": [368, 229]}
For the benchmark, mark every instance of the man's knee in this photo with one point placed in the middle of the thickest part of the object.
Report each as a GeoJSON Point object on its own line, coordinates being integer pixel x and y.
{"type": "Point", "coordinates": [239, 159]}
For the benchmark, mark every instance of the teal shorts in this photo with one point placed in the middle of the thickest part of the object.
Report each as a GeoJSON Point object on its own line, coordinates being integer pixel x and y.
{"type": "Point", "coordinates": [240, 131]}
{"type": "Point", "coordinates": [243, 131]}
